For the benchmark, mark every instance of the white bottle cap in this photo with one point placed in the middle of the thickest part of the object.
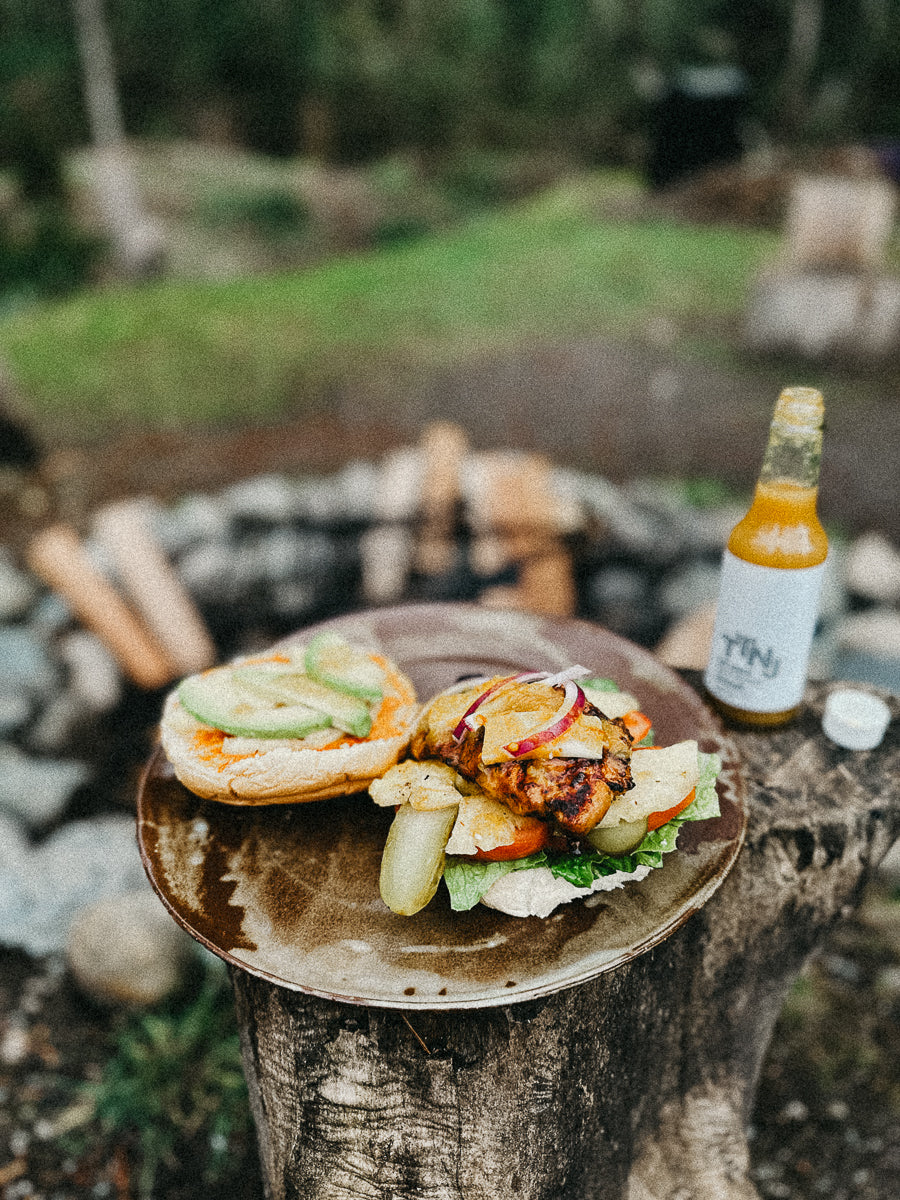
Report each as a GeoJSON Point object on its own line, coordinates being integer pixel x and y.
{"type": "Point", "coordinates": [855, 720]}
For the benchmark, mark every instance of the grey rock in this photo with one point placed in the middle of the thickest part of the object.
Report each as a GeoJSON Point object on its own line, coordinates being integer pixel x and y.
{"type": "Point", "coordinates": [293, 598]}
{"type": "Point", "coordinates": [101, 557]}
{"type": "Point", "coordinates": [687, 588]}
{"type": "Point", "coordinates": [18, 591]}
{"type": "Point", "coordinates": [691, 529]}
{"type": "Point", "coordinates": [358, 482]}
{"type": "Point", "coordinates": [386, 553]}
{"type": "Point", "coordinates": [37, 789]}
{"type": "Point", "coordinates": [620, 598]}
{"type": "Point", "coordinates": [820, 315]}
{"type": "Point", "coordinates": [44, 889]}
{"type": "Point", "coordinates": [262, 497]}
{"type": "Point", "coordinates": [600, 500]}
{"type": "Point", "coordinates": [289, 553]}
{"type": "Point", "coordinates": [14, 845]}
{"type": "Point", "coordinates": [54, 729]}
{"type": "Point", "coordinates": [860, 667]}
{"type": "Point", "coordinates": [873, 568]}
{"type": "Point", "coordinates": [196, 518]}
{"type": "Point", "coordinates": [215, 570]}
{"type": "Point", "coordinates": [50, 615]}
{"type": "Point", "coordinates": [25, 663]}
{"type": "Point", "coordinates": [125, 949]}
{"type": "Point", "coordinates": [15, 710]}
{"type": "Point", "coordinates": [889, 868]}
{"type": "Point", "coordinates": [875, 632]}
{"type": "Point", "coordinates": [320, 499]}
{"type": "Point", "coordinates": [834, 597]}
{"type": "Point", "coordinates": [398, 488]}
{"type": "Point", "coordinates": [94, 676]}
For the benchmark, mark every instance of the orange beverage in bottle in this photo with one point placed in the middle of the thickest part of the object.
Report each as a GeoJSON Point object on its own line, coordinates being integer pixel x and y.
{"type": "Point", "coordinates": [772, 575]}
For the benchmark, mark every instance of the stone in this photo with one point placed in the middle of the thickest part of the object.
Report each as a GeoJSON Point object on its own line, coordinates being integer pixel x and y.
{"type": "Point", "coordinates": [358, 482]}
{"type": "Point", "coordinates": [50, 615]}
{"type": "Point", "coordinates": [386, 552]}
{"type": "Point", "coordinates": [196, 518]}
{"type": "Point", "coordinates": [620, 597]}
{"type": "Point", "coordinates": [44, 887]}
{"type": "Point", "coordinates": [834, 598]}
{"type": "Point", "coordinates": [868, 648]}
{"type": "Point", "coordinates": [689, 587]}
{"type": "Point", "coordinates": [215, 570]}
{"type": "Point", "coordinates": [37, 789]}
{"type": "Point", "coordinates": [54, 729]}
{"type": "Point", "coordinates": [398, 487]}
{"type": "Point", "coordinates": [15, 710]}
{"type": "Point", "coordinates": [824, 316]}
{"type": "Point", "coordinates": [14, 846]}
{"type": "Point", "coordinates": [125, 949]}
{"type": "Point", "coordinates": [290, 554]}
{"type": "Point", "coordinates": [262, 498]}
{"type": "Point", "coordinates": [25, 663]}
{"type": "Point", "coordinates": [18, 591]}
{"type": "Point", "coordinates": [93, 674]}
{"type": "Point", "coordinates": [873, 568]}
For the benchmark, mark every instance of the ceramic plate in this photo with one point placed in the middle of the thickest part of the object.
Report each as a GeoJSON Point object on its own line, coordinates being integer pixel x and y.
{"type": "Point", "coordinates": [290, 892]}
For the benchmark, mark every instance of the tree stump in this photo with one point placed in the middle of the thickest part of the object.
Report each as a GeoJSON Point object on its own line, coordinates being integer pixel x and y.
{"type": "Point", "coordinates": [637, 1084]}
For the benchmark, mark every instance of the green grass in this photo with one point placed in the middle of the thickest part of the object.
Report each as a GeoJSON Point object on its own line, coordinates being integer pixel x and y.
{"type": "Point", "coordinates": [173, 1085]}
{"type": "Point", "coordinates": [169, 354]}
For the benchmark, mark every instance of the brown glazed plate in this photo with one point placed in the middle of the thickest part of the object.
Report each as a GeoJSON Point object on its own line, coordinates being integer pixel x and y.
{"type": "Point", "coordinates": [290, 892]}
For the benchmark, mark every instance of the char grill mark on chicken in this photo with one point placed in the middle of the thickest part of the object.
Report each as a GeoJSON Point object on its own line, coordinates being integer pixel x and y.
{"type": "Point", "coordinates": [573, 793]}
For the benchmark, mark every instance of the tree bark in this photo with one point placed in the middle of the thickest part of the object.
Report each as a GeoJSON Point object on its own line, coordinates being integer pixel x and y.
{"type": "Point", "coordinates": [635, 1085]}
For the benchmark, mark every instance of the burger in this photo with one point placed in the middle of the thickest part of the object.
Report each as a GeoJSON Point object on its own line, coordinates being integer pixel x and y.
{"type": "Point", "coordinates": [292, 724]}
{"type": "Point", "coordinates": [527, 791]}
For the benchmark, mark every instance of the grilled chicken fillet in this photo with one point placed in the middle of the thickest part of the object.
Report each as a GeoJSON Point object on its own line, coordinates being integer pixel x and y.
{"type": "Point", "coordinates": [571, 793]}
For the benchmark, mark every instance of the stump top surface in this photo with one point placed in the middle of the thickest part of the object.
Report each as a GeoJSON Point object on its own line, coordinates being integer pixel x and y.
{"type": "Point", "coordinates": [289, 893]}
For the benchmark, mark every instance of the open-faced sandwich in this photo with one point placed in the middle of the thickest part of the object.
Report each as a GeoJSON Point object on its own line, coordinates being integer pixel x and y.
{"type": "Point", "coordinates": [524, 792]}
{"type": "Point", "coordinates": [293, 724]}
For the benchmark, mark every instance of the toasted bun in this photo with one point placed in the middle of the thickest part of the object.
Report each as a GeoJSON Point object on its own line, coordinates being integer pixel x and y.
{"type": "Point", "coordinates": [284, 770]}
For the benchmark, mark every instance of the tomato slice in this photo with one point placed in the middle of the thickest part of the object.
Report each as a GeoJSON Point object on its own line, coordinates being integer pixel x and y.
{"type": "Point", "coordinates": [638, 725]}
{"type": "Point", "coordinates": [659, 818]}
{"type": "Point", "coordinates": [528, 840]}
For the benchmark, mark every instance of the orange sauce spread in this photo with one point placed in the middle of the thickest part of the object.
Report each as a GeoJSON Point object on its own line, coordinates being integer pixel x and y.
{"type": "Point", "coordinates": [781, 528]}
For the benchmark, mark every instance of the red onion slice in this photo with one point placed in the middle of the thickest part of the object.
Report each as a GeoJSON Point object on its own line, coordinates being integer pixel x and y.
{"type": "Point", "coordinates": [562, 719]}
{"type": "Point", "coordinates": [465, 722]}
{"type": "Point", "coordinates": [576, 672]}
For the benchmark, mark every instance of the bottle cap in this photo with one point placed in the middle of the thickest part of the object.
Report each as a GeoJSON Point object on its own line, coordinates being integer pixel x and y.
{"type": "Point", "coordinates": [855, 720]}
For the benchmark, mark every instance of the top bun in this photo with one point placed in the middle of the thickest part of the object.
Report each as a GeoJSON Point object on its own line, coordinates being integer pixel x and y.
{"type": "Point", "coordinates": [288, 770]}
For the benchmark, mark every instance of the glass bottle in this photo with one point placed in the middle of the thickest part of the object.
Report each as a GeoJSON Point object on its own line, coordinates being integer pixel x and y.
{"type": "Point", "coordinates": [772, 575]}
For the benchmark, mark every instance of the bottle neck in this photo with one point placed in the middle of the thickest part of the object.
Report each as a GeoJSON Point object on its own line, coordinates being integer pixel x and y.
{"type": "Point", "coordinates": [794, 449]}
{"type": "Point", "coordinates": [793, 455]}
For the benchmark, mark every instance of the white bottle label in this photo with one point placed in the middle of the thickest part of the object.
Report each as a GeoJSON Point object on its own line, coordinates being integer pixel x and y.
{"type": "Point", "coordinates": [763, 632]}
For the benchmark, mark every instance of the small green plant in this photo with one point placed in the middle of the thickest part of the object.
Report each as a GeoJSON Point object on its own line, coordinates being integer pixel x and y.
{"type": "Point", "coordinates": [272, 213]}
{"type": "Point", "coordinates": [706, 492]}
{"type": "Point", "coordinates": [174, 1080]}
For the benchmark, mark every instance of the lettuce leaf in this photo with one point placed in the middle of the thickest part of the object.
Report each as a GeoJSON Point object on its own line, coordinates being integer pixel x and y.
{"type": "Point", "coordinates": [467, 879]}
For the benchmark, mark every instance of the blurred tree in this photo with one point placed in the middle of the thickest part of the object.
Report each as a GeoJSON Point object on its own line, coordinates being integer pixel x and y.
{"type": "Point", "coordinates": [351, 80]}
{"type": "Point", "coordinates": [136, 238]}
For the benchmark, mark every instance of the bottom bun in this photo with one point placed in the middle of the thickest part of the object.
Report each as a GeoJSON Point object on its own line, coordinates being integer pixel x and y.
{"type": "Point", "coordinates": [537, 891]}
